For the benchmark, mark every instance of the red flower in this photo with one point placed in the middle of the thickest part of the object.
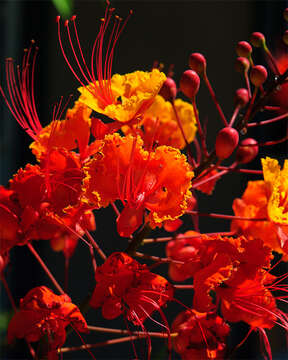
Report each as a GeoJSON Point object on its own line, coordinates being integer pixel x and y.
{"type": "Point", "coordinates": [44, 313]}
{"type": "Point", "coordinates": [200, 336]}
{"type": "Point", "coordinates": [123, 286]}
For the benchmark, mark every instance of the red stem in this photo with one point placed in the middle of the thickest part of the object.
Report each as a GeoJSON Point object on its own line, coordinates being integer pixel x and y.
{"type": "Point", "coordinates": [124, 332]}
{"type": "Point", "coordinates": [104, 343]}
{"type": "Point", "coordinates": [199, 128]}
{"type": "Point", "coordinates": [95, 245]}
{"type": "Point", "coordinates": [45, 268]}
{"type": "Point", "coordinates": [9, 294]}
{"type": "Point", "coordinates": [265, 122]}
{"type": "Point", "coordinates": [224, 216]}
{"type": "Point", "coordinates": [212, 93]}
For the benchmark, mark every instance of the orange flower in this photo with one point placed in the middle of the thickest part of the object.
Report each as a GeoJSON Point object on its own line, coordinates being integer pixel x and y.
{"type": "Point", "coordinates": [200, 336]}
{"type": "Point", "coordinates": [44, 313]}
{"type": "Point", "coordinates": [71, 133]}
{"type": "Point", "coordinates": [159, 124]}
{"type": "Point", "coordinates": [266, 198]}
{"type": "Point", "coordinates": [123, 286]}
{"type": "Point", "coordinates": [121, 97]}
{"type": "Point", "coordinates": [43, 202]}
{"type": "Point", "coordinates": [158, 181]}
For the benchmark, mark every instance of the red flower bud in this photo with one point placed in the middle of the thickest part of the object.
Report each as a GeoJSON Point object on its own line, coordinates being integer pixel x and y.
{"type": "Point", "coordinates": [169, 89]}
{"type": "Point", "coordinates": [258, 75]}
{"type": "Point", "coordinates": [226, 142]}
{"type": "Point", "coordinates": [242, 64]}
{"type": "Point", "coordinates": [197, 62]}
{"type": "Point", "coordinates": [257, 39]}
{"type": "Point", "coordinates": [189, 83]}
{"type": "Point", "coordinates": [243, 49]}
{"type": "Point", "coordinates": [241, 97]}
{"type": "Point", "coordinates": [285, 14]}
{"type": "Point", "coordinates": [247, 151]}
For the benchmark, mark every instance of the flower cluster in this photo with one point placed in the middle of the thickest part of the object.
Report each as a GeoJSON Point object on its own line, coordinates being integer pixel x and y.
{"type": "Point", "coordinates": [148, 160]}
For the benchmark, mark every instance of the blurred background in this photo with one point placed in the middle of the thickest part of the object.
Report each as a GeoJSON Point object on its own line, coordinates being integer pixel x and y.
{"type": "Point", "coordinates": [166, 31]}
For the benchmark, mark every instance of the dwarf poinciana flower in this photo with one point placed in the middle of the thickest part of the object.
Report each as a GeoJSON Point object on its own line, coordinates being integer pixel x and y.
{"type": "Point", "coordinates": [158, 181]}
{"type": "Point", "coordinates": [124, 286]}
{"type": "Point", "coordinates": [159, 124]}
{"type": "Point", "coordinates": [44, 313]}
{"type": "Point", "coordinates": [200, 335]}
{"type": "Point", "coordinates": [265, 199]}
{"type": "Point", "coordinates": [121, 97]}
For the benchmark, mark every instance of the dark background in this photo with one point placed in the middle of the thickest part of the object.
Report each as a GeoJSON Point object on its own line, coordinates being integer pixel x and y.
{"type": "Point", "coordinates": [167, 31]}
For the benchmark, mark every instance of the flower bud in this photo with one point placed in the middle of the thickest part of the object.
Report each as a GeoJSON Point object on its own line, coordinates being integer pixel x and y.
{"type": "Point", "coordinates": [168, 90]}
{"type": "Point", "coordinates": [258, 75]}
{"type": "Point", "coordinates": [257, 39]}
{"type": "Point", "coordinates": [243, 49]}
{"type": "Point", "coordinates": [242, 64]}
{"type": "Point", "coordinates": [226, 142]}
{"type": "Point", "coordinates": [285, 14]}
{"type": "Point", "coordinates": [285, 37]}
{"type": "Point", "coordinates": [247, 151]}
{"type": "Point", "coordinates": [241, 97]}
{"type": "Point", "coordinates": [197, 62]}
{"type": "Point", "coordinates": [189, 83]}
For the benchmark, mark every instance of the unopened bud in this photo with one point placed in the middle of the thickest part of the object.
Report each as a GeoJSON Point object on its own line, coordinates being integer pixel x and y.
{"type": "Point", "coordinates": [242, 64]}
{"type": "Point", "coordinates": [226, 142]}
{"type": "Point", "coordinates": [247, 151]}
{"type": "Point", "coordinates": [241, 97]}
{"type": "Point", "coordinates": [197, 62]}
{"type": "Point", "coordinates": [285, 37]}
{"type": "Point", "coordinates": [169, 89]}
{"type": "Point", "coordinates": [258, 75]}
{"type": "Point", "coordinates": [189, 83]}
{"type": "Point", "coordinates": [257, 39]}
{"type": "Point", "coordinates": [285, 14]}
{"type": "Point", "coordinates": [244, 49]}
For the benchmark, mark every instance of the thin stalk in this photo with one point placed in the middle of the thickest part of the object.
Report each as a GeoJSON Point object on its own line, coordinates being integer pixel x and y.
{"type": "Point", "coordinates": [183, 287]}
{"type": "Point", "coordinates": [158, 259]}
{"type": "Point", "coordinates": [100, 344]}
{"type": "Point", "coordinates": [169, 238]}
{"type": "Point", "coordinates": [199, 128]}
{"type": "Point", "coordinates": [95, 245]}
{"type": "Point", "coordinates": [127, 332]}
{"type": "Point", "coordinates": [45, 268]}
{"type": "Point", "coordinates": [212, 93]}
{"type": "Point", "coordinates": [269, 121]}
{"type": "Point", "coordinates": [224, 216]}
{"type": "Point", "coordinates": [8, 291]}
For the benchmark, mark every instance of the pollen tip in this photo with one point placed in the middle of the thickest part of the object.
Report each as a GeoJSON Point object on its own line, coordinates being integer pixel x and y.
{"type": "Point", "coordinates": [73, 17]}
{"type": "Point", "coordinates": [57, 18]}
{"type": "Point", "coordinates": [9, 59]}
{"type": "Point", "coordinates": [66, 22]}
{"type": "Point", "coordinates": [130, 12]}
{"type": "Point", "coordinates": [32, 41]}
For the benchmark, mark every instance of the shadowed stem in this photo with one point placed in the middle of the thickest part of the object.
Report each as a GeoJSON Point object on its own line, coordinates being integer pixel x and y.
{"type": "Point", "coordinates": [224, 216]}
{"type": "Point", "coordinates": [101, 344]}
{"type": "Point", "coordinates": [9, 294]}
{"type": "Point", "coordinates": [212, 94]}
{"type": "Point", "coordinates": [127, 332]}
{"type": "Point", "coordinates": [95, 245]}
{"type": "Point", "coordinates": [157, 258]}
{"type": "Point", "coordinates": [169, 238]}
{"type": "Point", "coordinates": [138, 239]}
{"type": "Point", "coordinates": [45, 268]}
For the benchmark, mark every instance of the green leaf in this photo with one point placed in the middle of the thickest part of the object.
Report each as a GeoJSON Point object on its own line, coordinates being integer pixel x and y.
{"type": "Point", "coordinates": [64, 7]}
